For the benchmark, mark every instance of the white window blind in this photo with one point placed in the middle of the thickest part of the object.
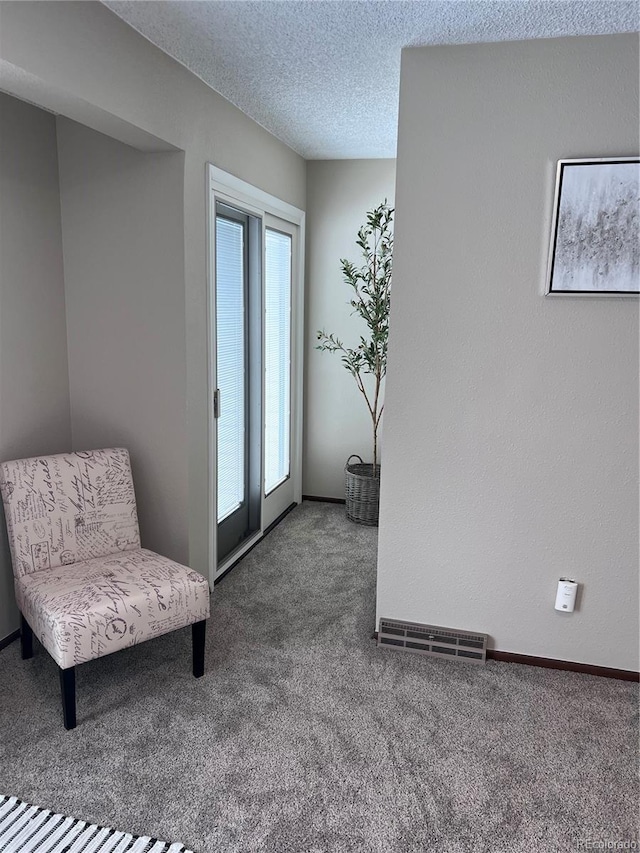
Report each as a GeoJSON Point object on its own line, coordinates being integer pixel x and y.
{"type": "Point", "coordinates": [277, 378]}
{"type": "Point", "coordinates": [230, 337]}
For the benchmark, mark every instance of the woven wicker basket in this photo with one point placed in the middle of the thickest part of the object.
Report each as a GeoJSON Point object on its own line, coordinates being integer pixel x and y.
{"type": "Point", "coordinates": [362, 491]}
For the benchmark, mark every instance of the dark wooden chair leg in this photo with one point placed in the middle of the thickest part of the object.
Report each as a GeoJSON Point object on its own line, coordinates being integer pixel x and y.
{"type": "Point", "coordinates": [68, 688]}
{"type": "Point", "coordinates": [26, 639]}
{"type": "Point", "coordinates": [198, 633]}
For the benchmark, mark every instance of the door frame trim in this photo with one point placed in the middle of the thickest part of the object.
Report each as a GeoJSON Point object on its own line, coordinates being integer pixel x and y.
{"type": "Point", "coordinates": [227, 188]}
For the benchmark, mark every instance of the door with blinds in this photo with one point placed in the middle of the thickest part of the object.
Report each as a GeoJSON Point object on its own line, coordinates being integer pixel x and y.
{"type": "Point", "coordinates": [256, 373]}
{"type": "Point", "coordinates": [237, 398]}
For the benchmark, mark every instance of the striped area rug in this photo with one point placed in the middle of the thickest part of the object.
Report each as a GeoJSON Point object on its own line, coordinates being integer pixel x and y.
{"type": "Point", "coordinates": [28, 829]}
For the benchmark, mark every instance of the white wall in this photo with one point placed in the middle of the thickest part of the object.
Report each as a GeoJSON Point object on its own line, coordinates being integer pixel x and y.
{"type": "Point", "coordinates": [511, 438]}
{"type": "Point", "coordinates": [336, 419]}
{"type": "Point", "coordinates": [123, 239]}
{"type": "Point", "coordinates": [99, 71]}
{"type": "Point", "coordinates": [34, 383]}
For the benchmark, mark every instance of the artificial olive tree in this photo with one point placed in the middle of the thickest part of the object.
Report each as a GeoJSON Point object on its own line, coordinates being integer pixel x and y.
{"type": "Point", "coordinates": [370, 299]}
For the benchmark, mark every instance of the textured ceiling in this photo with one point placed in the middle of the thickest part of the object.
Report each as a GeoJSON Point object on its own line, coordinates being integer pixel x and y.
{"type": "Point", "coordinates": [323, 75]}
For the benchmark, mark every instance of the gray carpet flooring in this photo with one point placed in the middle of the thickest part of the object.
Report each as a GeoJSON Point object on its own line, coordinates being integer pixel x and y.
{"type": "Point", "coordinates": [303, 736]}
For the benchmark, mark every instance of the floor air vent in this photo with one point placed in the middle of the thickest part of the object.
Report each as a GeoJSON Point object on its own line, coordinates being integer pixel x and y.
{"type": "Point", "coordinates": [433, 641]}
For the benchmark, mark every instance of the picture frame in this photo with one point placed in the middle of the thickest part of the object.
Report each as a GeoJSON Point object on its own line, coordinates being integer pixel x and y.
{"type": "Point", "coordinates": [594, 248]}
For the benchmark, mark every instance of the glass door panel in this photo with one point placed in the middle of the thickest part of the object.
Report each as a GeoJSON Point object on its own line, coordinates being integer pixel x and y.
{"type": "Point", "coordinates": [277, 357]}
{"type": "Point", "coordinates": [280, 247]}
{"type": "Point", "coordinates": [231, 344]}
{"type": "Point", "coordinates": [238, 371]}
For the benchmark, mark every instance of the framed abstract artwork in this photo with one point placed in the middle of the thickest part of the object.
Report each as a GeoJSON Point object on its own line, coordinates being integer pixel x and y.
{"type": "Point", "coordinates": [595, 233]}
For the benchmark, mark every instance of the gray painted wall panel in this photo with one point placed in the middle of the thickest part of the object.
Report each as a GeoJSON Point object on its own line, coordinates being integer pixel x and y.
{"type": "Point", "coordinates": [123, 238]}
{"type": "Point", "coordinates": [511, 433]}
{"type": "Point", "coordinates": [336, 420]}
{"type": "Point", "coordinates": [34, 378]}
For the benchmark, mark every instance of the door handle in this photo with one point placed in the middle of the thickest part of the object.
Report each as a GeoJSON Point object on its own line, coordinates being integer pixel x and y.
{"type": "Point", "coordinates": [216, 403]}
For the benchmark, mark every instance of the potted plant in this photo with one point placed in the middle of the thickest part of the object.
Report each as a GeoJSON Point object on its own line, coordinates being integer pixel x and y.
{"type": "Point", "coordinates": [370, 299]}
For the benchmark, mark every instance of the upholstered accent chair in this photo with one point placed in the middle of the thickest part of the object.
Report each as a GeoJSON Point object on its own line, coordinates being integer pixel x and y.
{"type": "Point", "coordinates": [83, 583]}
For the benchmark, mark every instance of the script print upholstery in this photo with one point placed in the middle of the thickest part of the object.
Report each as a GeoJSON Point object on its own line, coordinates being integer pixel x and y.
{"type": "Point", "coordinates": [68, 508]}
{"type": "Point", "coordinates": [97, 607]}
{"type": "Point", "coordinates": [82, 581]}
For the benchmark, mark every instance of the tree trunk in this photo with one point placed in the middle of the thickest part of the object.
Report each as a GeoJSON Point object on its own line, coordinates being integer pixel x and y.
{"type": "Point", "coordinates": [375, 445]}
